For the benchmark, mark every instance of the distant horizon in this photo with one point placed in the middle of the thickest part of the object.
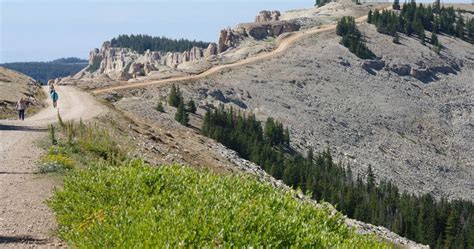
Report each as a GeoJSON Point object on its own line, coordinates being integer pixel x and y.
{"type": "Point", "coordinates": [46, 30]}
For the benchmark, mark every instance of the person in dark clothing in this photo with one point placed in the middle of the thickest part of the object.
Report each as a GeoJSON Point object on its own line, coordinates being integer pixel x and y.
{"type": "Point", "coordinates": [21, 107]}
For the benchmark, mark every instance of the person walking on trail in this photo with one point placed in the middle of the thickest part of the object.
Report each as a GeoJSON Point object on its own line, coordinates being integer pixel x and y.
{"type": "Point", "coordinates": [51, 88]}
{"type": "Point", "coordinates": [21, 107]}
{"type": "Point", "coordinates": [54, 97]}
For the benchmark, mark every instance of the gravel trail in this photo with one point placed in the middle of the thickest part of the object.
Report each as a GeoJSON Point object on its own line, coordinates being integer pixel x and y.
{"type": "Point", "coordinates": [25, 219]}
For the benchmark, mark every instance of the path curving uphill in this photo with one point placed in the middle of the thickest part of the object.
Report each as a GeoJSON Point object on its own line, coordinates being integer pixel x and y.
{"type": "Point", "coordinates": [282, 47]}
{"type": "Point", "coordinates": [25, 220]}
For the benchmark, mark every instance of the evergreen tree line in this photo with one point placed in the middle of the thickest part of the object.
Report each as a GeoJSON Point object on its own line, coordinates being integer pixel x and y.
{"type": "Point", "coordinates": [44, 71]}
{"type": "Point", "coordinates": [321, 3]}
{"type": "Point", "coordinates": [438, 223]}
{"type": "Point", "coordinates": [176, 99]}
{"type": "Point", "coordinates": [351, 38]}
{"type": "Point", "coordinates": [414, 20]}
{"type": "Point", "coordinates": [141, 43]}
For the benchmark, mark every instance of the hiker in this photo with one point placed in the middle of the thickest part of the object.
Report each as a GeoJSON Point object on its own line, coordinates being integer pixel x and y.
{"type": "Point", "coordinates": [21, 106]}
{"type": "Point", "coordinates": [54, 97]}
{"type": "Point", "coordinates": [51, 88]}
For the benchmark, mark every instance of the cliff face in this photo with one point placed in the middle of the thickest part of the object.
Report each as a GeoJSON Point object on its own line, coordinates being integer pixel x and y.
{"type": "Point", "coordinates": [124, 64]}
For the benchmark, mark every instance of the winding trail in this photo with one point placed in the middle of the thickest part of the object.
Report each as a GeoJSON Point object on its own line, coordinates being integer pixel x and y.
{"type": "Point", "coordinates": [25, 219]}
{"type": "Point", "coordinates": [283, 46]}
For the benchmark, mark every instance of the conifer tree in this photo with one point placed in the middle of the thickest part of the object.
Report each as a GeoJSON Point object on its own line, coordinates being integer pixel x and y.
{"type": "Point", "coordinates": [460, 27]}
{"type": "Point", "coordinates": [396, 5]}
{"type": "Point", "coordinates": [181, 115]}
{"type": "Point", "coordinates": [175, 96]}
{"type": "Point", "coordinates": [159, 107]}
{"type": "Point", "coordinates": [191, 106]}
{"type": "Point", "coordinates": [369, 17]}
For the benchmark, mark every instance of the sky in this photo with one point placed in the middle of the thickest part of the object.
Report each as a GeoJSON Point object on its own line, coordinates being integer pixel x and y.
{"type": "Point", "coordinates": [44, 30]}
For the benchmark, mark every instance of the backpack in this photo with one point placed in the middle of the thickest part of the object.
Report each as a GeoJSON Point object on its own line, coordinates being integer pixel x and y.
{"type": "Point", "coordinates": [55, 96]}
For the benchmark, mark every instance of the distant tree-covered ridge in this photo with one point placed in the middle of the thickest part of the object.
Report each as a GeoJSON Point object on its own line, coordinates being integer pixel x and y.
{"type": "Point", "coordinates": [43, 71]}
{"type": "Point", "coordinates": [141, 43]}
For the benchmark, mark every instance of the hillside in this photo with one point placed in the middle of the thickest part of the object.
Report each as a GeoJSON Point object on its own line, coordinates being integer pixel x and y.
{"type": "Point", "coordinates": [13, 86]}
{"type": "Point", "coordinates": [399, 122]}
{"type": "Point", "coordinates": [44, 71]}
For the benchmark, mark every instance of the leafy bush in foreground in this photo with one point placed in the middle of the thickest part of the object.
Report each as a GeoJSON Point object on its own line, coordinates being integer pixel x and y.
{"type": "Point", "coordinates": [135, 204]}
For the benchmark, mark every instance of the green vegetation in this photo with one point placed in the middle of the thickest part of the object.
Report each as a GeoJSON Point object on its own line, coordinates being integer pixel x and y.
{"type": "Point", "coordinates": [175, 99]}
{"type": "Point", "coordinates": [438, 223]}
{"type": "Point", "coordinates": [159, 107]}
{"type": "Point", "coordinates": [141, 43]}
{"type": "Point", "coordinates": [191, 106]}
{"type": "Point", "coordinates": [44, 71]}
{"type": "Point", "coordinates": [181, 114]}
{"type": "Point", "coordinates": [413, 19]}
{"type": "Point", "coordinates": [321, 3]}
{"type": "Point", "coordinates": [175, 96]}
{"type": "Point", "coordinates": [136, 204]}
{"type": "Point", "coordinates": [124, 203]}
{"type": "Point", "coordinates": [352, 39]}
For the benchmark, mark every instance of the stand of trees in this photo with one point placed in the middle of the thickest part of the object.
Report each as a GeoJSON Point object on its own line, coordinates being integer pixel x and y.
{"type": "Point", "coordinates": [176, 99]}
{"type": "Point", "coordinates": [438, 223]}
{"type": "Point", "coordinates": [44, 71]}
{"type": "Point", "coordinates": [414, 19]}
{"type": "Point", "coordinates": [141, 43]}
{"type": "Point", "coordinates": [351, 38]}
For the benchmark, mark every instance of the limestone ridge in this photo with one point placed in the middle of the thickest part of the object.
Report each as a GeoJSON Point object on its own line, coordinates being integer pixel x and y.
{"type": "Point", "coordinates": [124, 64]}
{"type": "Point", "coordinates": [267, 24]}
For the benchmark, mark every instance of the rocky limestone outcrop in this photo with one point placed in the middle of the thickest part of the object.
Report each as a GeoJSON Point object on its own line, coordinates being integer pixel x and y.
{"type": "Point", "coordinates": [259, 30]}
{"type": "Point", "coordinates": [268, 16]}
{"type": "Point", "coordinates": [124, 63]}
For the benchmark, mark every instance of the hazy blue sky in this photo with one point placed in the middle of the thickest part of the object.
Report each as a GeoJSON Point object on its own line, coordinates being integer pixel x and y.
{"type": "Point", "coordinates": [41, 30]}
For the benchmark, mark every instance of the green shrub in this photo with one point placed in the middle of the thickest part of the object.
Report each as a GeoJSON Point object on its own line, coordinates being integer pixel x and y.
{"type": "Point", "coordinates": [159, 107]}
{"type": "Point", "coordinates": [173, 206]}
{"type": "Point", "coordinates": [56, 163]}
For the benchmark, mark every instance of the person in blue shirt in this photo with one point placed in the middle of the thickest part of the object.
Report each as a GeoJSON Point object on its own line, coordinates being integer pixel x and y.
{"type": "Point", "coordinates": [54, 97]}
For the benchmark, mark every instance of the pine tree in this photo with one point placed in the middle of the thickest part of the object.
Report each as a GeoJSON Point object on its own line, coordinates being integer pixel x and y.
{"type": "Point", "coordinates": [369, 16]}
{"type": "Point", "coordinates": [450, 230]}
{"type": "Point", "coordinates": [175, 96]}
{"type": "Point", "coordinates": [396, 5]}
{"type": "Point", "coordinates": [460, 27]}
{"type": "Point", "coordinates": [181, 115]}
{"type": "Point", "coordinates": [396, 38]}
{"type": "Point", "coordinates": [191, 106]}
{"type": "Point", "coordinates": [159, 107]}
{"type": "Point", "coordinates": [286, 136]}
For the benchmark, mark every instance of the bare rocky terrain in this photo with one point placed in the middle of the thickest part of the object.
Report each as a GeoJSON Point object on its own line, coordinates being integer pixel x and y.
{"type": "Point", "coordinates": [407, 113]}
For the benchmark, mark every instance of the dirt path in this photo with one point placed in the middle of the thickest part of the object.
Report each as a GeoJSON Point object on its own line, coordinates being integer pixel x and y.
{"type": "Point", "coordinates": [282, 47]}
{"type": "Point", "coordinates": [25, 220]}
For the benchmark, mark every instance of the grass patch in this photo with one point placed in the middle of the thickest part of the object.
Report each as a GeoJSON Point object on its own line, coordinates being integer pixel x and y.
{"type": "Point", "coordinates": [135, 204]}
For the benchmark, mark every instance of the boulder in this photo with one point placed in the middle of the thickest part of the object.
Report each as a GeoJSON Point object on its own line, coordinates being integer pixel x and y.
{"type": "Point", "coordinates": [422, 74]}
{"type": "Point", "coordinates": [373, 64]}
{"type": "Point", "coordinates": [401, 70]}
